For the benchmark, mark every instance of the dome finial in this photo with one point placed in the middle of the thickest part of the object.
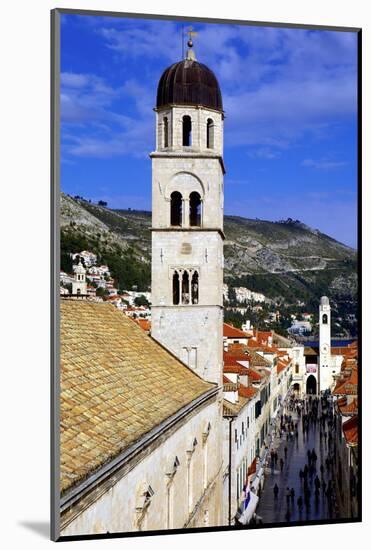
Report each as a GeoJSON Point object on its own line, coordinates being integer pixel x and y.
{"type": "Point", "coordinates": [191, 56]}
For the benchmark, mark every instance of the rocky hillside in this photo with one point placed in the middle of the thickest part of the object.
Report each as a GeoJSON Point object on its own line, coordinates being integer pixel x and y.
{"type": "Point", "coordinates": [281, 259]}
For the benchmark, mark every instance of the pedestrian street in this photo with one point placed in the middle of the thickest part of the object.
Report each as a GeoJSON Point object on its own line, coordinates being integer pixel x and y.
{"type": "Point", "coordinates": [299, 499]}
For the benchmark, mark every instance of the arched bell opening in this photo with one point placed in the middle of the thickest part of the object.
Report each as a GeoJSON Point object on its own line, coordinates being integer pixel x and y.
{"type": "Point", "coordinates": [176, 293]}
{"type": "Point", "coordinates": [210, 133]}
{"type": "Point", "coordinates": [176, 208]}
{"type": "Point", "coordinates": [166, 132]}
{"type": "Point", "coordinates": [195, 209]}
{"type": "Point", "coordinates": [185, 288]}
{"type": "Point", "coordinates": [194, 288]}
{"type": "Point", "coordinates": [187, 131]}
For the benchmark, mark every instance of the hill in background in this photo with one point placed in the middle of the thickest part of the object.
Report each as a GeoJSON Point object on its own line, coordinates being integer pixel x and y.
{"type": "Point", "coordinates": [287, 261]}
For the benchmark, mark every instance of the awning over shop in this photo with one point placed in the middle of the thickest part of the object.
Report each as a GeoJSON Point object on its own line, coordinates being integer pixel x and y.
{"type": "Point", "coordinates": [249, 506]}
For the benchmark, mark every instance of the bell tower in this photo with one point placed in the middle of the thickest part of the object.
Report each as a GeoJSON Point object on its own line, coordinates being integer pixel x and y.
{"type": "Point", "coordinates": [187, 217]}
{"type": "Point", "coordinates": [324, 368]}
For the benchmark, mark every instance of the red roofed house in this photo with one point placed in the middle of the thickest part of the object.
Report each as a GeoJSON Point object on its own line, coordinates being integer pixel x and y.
{"type": "Point", "coordinates": [346, 439]}
{"type": "Point", "coordinates": [232, 335]}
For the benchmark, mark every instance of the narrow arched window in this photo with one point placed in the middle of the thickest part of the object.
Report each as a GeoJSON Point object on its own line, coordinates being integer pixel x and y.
{"type": "Point", "coordinates": [324, 319]}
{"type": "Point", "coordinates": [194, 209]}
{"type": "Point", "coordinates": [166, 132]}
{"type": "Point", "coordinates": [187, 130]}
{"type": "Point", "coordinates": [176, 208]}
{"type": "Point", "coordinates": [176, 294]}
{"type": "Point", "coordinates": [185, 288]}
{"type": "Point", "coordinates": [194, 288]}
{"type": "Point", "coordinates": [210, 134]}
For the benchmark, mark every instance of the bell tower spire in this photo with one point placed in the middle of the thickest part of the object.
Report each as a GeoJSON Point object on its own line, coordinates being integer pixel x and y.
{"type": "Point", "coordinates": [187, 217]}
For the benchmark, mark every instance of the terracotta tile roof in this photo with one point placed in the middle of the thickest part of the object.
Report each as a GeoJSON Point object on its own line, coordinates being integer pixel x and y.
{"type": "Point", "coordinates": [347, 384]}
{"type": "Point", "coordinates": [247, 391]}
{"type": "Point", "coordinates": [281, 366]}
{"type": "Point", "coordinates": [232, 409]}
{"type": "Point", "coordinates": [254, 375]}
{"type": "Point", "coordinates": [236, 369]}
{"type": "Point", "coordinates": [232, 358]}
{"type": "Point", "coordinates": [262, 336]}
{"type": "Point", "coordinates": [116, 385]}
{"type": "Point", "coordinates": [232, 365]}
{"type": "Point", "coordinates": [144, 324]}
{"type": "Point", "coordinates": [231, 332]}
{"type": "Point", "coordinates": [257, 360]}
{"type": "Point", "coordinates": [350, 430]}
{"type": "Point", "coordinates": [262, 347]}
{"type": "Point", "coordinates": [241, 352]}
{"type": "Point", "coordinates": [350, 408]}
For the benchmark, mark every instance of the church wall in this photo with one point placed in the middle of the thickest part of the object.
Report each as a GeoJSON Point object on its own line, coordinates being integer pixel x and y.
{"type": "Point", "coordinates": [116, 510]}
{"type": "Point", "coordinates": [194, 328]}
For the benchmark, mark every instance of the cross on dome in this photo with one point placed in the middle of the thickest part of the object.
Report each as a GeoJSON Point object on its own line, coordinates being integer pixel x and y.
{"type": "Point", "coordinates": [191, 56]}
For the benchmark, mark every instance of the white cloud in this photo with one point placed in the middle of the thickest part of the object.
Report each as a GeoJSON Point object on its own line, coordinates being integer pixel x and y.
{"type": "Point", "coordinates": [323, 164]}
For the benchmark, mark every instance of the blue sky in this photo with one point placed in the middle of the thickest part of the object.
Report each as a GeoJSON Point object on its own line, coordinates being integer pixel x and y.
{"type": "Point", "coordinates": [289, 95]}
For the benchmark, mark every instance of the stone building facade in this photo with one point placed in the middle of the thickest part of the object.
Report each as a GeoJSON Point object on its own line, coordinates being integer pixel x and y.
{"type": "Point", "coordinates": [139, 430]}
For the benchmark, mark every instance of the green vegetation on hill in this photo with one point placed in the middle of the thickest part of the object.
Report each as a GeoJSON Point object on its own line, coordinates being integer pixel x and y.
{"type": "Point", "coordinates": [287, 261]}
{"type": "Point", "coordinates": [126, 267]}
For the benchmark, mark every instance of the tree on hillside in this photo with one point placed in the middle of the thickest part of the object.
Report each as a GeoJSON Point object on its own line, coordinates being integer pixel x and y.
{"type": "Point", "coordinates": [102, 203]}
{"type": "Point", "coordinates": [141, 301]}
{"type": "Point", "coordinates": [102, 291]}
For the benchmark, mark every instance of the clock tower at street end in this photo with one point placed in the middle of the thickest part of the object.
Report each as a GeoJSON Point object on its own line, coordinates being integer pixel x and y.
{"type": "Point", "coordinates": [325, 377]}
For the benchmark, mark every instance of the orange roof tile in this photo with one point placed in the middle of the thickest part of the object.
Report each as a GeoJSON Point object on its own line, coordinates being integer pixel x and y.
{"type": "Point", "coordinates": [232, 332]}
{"type": "Point", "coordinates": [349, 408]}
{"type": "Point", "coordinates": [350, 430]}
{"type": "Point", "coordinates": [347, 385]}
{"type": "Point", "coordinates": [247, 391]}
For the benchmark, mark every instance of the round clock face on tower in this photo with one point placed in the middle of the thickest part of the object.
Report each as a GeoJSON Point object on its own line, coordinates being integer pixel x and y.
{"type": "Point", "coordinates": [324, 348]}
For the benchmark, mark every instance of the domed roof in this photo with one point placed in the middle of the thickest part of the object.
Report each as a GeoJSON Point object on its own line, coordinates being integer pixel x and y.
{"type": "Point", "coordinates": [325, 301]}
{"type": "Point", "coordinates": [189, 82]}
{"type": "Point", "coordinates": [79, 268]}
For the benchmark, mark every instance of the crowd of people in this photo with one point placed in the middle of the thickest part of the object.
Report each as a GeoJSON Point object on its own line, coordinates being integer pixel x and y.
{"type": "Point", "coordinates": [316, 482]}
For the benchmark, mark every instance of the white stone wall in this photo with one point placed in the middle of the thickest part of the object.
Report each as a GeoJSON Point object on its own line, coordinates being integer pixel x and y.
{"type": "Point", "coordinates": [243, 453]}
{"type": "Point", "coordinates": [79, 287]}
{"type": "Point", "coordinates": [197, 250]}
{"type": "Point", "coordinates": [186, 174]}
{"type": "Point", "coordinates": [195, 492]}
{"type": "Point", "coordinates": [199, 117]}
{"type": "Point", "coordinates": [194, 334]}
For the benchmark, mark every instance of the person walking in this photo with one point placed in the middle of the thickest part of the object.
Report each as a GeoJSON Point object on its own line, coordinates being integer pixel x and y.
{"type": "Point", "coordinates": [285, 449]}
{"type": "Point", "coordinates": [275, 491]}
{"type": "Point", "coordinates": [288, 494]}
{"type": "Point", "coordinates": [292, 494]}
{"type": "Point", "coordinates": [317, 483]}
{"type": "Point", "coordinates": [281, 464]}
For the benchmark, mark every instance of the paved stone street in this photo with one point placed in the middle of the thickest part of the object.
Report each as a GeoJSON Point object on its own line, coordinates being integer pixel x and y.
{"type": "Point", "coordinates": [281, 509]}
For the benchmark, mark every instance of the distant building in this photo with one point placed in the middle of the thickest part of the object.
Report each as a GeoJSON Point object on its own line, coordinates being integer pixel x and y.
{"type": "Point", "coordinates": [79, 285]}
{"type": "Point", "coordinates": [345, 395]}
{"type": "Point", "coordinates": [300, 328]}
{"type": "Point", "coordinates": [88, 257]}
